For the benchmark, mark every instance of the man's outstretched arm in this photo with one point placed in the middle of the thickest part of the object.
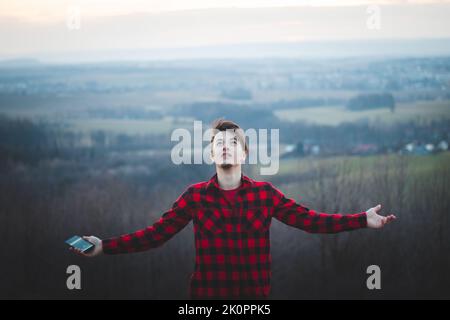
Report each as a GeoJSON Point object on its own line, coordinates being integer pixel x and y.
{"type": "Point", "coordinates": [291, 213]}
{"type": "Point", "coordinates": [170, 223]}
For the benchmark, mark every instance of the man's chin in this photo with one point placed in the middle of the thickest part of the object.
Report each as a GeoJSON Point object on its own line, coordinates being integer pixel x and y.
{"type": "Point", "coordinates": [226, 166]}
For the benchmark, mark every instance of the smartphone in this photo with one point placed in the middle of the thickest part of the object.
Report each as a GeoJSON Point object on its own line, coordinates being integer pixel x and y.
{"type": "Point", "coordinates": [79, 243]}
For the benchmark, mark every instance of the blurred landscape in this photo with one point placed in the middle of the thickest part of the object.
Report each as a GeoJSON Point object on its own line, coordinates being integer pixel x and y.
{"type": "Point", "coordinates": [85, 149]}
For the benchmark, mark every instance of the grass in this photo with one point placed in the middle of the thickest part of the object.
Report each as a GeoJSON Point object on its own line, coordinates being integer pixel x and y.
{"type": "Point", "coordinates": [416, 165]}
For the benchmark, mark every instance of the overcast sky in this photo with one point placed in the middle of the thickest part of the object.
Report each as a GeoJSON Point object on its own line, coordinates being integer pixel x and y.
{"type": "Point", "coordinates": [30, 27]}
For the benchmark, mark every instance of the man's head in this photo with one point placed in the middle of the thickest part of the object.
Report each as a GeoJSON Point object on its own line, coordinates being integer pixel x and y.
{"type": "Point", "coordinates": [228, 145]}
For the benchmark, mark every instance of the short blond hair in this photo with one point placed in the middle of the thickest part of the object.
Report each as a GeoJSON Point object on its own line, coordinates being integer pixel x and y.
{"type": "Point", "coordinates": [224, 125]}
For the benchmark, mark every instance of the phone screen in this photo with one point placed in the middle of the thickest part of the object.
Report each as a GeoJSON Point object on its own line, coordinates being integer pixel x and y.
{"type": "Point", "coordinates": [79, 243]}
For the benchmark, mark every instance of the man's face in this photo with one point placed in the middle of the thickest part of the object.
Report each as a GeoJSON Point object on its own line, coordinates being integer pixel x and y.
{"type": "Point", "coordinates": [227, 149]}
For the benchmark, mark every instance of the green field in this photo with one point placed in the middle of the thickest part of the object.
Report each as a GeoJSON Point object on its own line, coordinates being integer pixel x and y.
{"type": "Point", "coordinates": [74, 109]}
{"type": "Point", "coordinates": [358, 167]}
{"type": "Point", "coordinates": [129, 126]}
{"type": "Point", "coordinates": [334, 115]}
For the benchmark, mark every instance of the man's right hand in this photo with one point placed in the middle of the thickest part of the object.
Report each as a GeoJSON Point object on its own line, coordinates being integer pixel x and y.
{"type": "Point", "coordinates": [97, 250]}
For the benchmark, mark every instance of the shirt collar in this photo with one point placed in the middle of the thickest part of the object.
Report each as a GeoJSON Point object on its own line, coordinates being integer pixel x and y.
{"type": "Point", "coordinates": [214, 183]}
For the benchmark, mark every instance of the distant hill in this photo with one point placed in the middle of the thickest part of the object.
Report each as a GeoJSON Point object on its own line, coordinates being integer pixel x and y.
{"type": "Point", "coordinates": [20, 62]}
{"type": "Point", "coordinates": [301, 49]}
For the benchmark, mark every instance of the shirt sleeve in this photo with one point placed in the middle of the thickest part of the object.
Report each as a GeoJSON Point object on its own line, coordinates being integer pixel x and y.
{"type": "Point", "coordinates": [296, 215]}
{"type": "Point", "coordinates": [170, 223]}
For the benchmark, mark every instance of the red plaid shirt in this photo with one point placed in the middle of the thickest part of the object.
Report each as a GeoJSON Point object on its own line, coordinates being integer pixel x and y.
{"type": "Point", "coordinates": [232, 240]}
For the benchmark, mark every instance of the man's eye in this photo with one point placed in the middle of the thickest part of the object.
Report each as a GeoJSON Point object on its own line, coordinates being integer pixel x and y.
{"type": "Point", "coordinates": [234, 142]}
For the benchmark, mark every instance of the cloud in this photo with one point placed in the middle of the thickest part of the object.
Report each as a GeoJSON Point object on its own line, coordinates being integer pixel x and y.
{"type": "Point", "coordinates": [45, 11]}
{"type": "Point", "coordinates": [205, 27]}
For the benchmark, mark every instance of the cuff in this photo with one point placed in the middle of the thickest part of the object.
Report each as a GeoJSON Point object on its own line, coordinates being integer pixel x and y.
{"type": "Point", "coordinates": [109, 246]}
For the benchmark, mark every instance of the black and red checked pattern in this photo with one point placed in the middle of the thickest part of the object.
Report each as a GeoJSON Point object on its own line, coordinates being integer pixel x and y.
{"type": "Point", "coordinates": [232, 240]}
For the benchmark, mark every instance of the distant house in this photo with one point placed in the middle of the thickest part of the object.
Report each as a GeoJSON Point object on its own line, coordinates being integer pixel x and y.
{"type": "Point", "coordinates": [365, 149]}
{"type": "Point", "coordinates": [419, 148]}
{"type": "Point", "coordinates": [289, 148]}
{"type": "Point", "coordinates": [302, 148]}
{"type": "Point", "coordinates": [442, 146]}
{"type": "Point", "coordinates": [315, 150]}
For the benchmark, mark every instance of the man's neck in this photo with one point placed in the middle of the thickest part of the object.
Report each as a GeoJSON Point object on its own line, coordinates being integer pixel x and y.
{"type": "Point", "coordinates": [229, 178]}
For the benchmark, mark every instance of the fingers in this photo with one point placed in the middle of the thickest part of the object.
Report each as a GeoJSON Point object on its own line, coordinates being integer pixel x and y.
{"type": "Point", "coordinates": [77, 251]}
{"type": "Point", "coordinates": [377, 208]}
{"type": "Point", "coordinates": [388, 219]}
{"type": "Point", "coordinates": [91, 239]}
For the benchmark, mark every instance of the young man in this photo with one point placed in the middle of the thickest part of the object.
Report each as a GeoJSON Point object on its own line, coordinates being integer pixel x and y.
{"type": "Point", "coordinates": [232, 215]}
